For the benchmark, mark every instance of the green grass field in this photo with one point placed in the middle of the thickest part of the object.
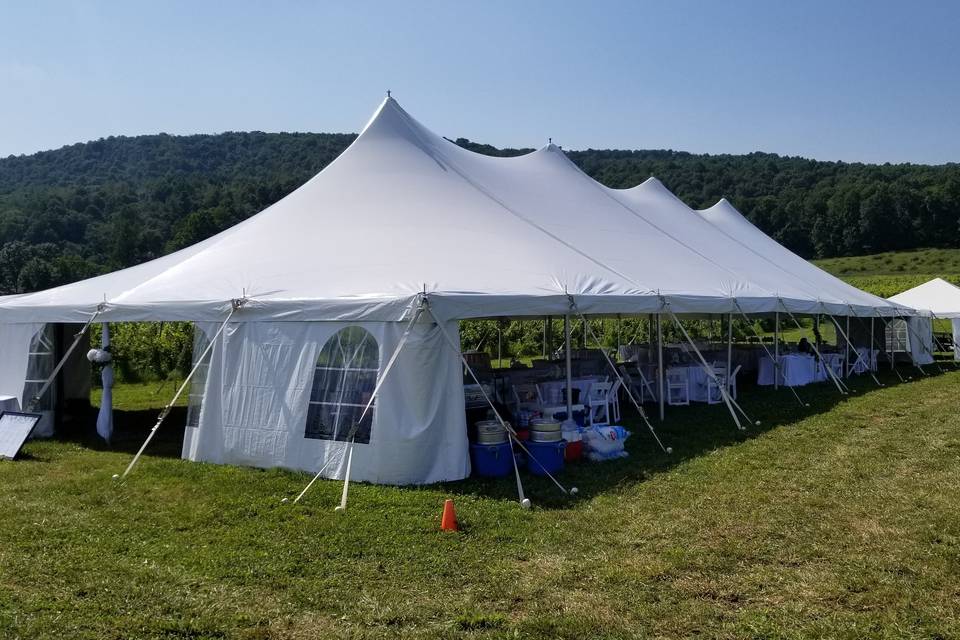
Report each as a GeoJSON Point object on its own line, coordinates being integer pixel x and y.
{"type": "Point", "coordinates": [839, 520]}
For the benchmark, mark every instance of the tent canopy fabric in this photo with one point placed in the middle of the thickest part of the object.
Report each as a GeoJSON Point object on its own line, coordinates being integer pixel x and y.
{"type": "Point", "coordinates": [937, 296]}
{"type": "Point", "coordinates": [405, 212]}
{"type": "Point", "coordinates": [730, 222]}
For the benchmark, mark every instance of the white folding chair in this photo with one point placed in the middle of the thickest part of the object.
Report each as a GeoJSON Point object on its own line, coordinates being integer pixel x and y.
{"type": "Point", "coordinates": [713, 388]}
{"type": "Point", "coordinates": [715, 385]}
{"type": "Point", "coordinates": [678, 387]}
{"type": "Point", "coordinates": [527, 397]}
{"type": "Point", "coordinates": [614, 397]}
{"type": "Point", "coordinates": [598, 398]}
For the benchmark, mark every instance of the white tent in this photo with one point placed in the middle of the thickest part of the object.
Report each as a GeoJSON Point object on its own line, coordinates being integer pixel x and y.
{"type": "Point", "coordinates": [402, 218]}
{"type": "Point", "coordinates": [730, 222]}
{"type": "Point", "coordinates": [940, 299]}
{"type": "Point", "coordinates": [725, 217]}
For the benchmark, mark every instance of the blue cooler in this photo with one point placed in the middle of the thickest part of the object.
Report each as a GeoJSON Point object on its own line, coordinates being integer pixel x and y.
{"type": "Point", "coordinates": [491, 460]}
{"type": "Point", "coordinates": [546, 455]}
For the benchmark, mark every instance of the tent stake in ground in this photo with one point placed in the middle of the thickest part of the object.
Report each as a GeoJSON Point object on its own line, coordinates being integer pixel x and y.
{"type": "Point", "coordinates": [373, 396]}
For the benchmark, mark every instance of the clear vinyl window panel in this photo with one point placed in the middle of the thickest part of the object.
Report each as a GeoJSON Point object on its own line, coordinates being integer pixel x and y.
{"type": "Point", "coordinates": [198, 383]}
{"type": "Point", "coordinates": [343, 383]}
{"type": "Point", "coordinates": [40, 365]}
{"type": "Point", "coordinates": [897, 337]}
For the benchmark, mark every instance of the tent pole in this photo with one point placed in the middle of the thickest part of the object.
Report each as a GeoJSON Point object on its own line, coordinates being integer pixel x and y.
{"type": "Point", "coordinates": [729, 345]}
{"type": "Point", "coordinates": [816, 332]}
{"type": "Point", "coordinates": [511, 433]}
{"type": "Point", "coordinates": [499, 344]}
{"type": "Point", "coordinates": [767, 351]}
{"type": "Point", "coordinates": [626, 387]}
{"type": "Point", "coordinates": [847, 349]}
{"type": "Point", "coordinates": [660, 365]}
{"type": "Point", "coordinates": [235, 305]}
{"type": "Point", "coordinates": [776, 350]}
{"type": "Point", "coordinates": [546, 321]}
{"type": "Point", "coordinates": [649, 338]}
{"type": "Point", "coordinates": [829, 370]}
{"type": "Point", "coordinates": [566, 341]}
{"type": "Point", "coordinates": [619, 325]}
{"type": "Point", "coordinates": [724, 393]}
{"type": "Point", "coordinates": [871, 345]}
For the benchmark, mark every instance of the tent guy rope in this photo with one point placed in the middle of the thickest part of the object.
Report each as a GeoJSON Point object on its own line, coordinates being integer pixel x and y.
{"type": "Point", "coordinates": [35, 400]}
{"type": "Point", "coordinates": [776, 364]}
{"type": "Point", "coordinates": [623, 384]}
{"type": "Point", "coordinates": [525, 502]}
{"type": "Point", "coordinates": [376, 390]}
{"type": "Point", "coordinates": [235, 305]}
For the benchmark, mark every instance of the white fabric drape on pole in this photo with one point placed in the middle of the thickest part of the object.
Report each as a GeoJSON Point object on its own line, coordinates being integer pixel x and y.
{"type": "Point", "coordinates": [105, 415]}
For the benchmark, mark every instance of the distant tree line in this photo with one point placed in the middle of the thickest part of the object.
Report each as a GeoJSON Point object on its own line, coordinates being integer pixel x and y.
{"type": "Point", "coordinates": [90, 208]}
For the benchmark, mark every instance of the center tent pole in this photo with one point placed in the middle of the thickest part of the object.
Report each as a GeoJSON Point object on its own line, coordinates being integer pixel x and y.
{"type": "Point", "coordinates": [660, 365]}
{"type": "Point", "coordinates": [566, 342]}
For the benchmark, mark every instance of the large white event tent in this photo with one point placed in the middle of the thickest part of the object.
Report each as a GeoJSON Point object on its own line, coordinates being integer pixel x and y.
{"type": "Point", "coordinates": [939, 299]}
{"type": "Point", "coordinates": [918, 337]}
{"type": "Point", "coordinates": [309, 302]}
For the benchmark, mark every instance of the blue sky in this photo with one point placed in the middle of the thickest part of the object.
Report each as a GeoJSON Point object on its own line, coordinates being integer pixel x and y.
{"type": "Point", "coordinates": [869, 81]}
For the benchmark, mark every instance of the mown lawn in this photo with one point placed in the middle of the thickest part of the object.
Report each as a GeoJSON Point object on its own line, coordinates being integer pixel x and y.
{"type": "Point", "coordinates": [840, 520]}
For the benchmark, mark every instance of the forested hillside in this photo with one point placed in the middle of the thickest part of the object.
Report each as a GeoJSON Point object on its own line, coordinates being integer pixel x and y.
{"type": "Point", "coordinates": [89, 208]}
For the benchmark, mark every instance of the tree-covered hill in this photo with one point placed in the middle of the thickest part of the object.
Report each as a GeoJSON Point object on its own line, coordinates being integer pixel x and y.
{"type": "Point", "coordinates": [89, 208]}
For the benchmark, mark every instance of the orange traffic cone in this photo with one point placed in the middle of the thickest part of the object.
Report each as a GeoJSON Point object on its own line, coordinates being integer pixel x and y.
{"type": "Point", "coordinates": [449, 520]}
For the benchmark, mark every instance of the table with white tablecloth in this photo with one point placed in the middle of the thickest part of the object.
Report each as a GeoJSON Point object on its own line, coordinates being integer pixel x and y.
{"type": "Point", "coordinates": [867, 360]}
{"type": "Point", "coordinates": [796, 370]}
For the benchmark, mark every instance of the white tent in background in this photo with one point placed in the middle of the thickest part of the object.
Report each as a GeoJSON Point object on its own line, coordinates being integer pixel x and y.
{"type": "Point", "coordinates": [941, 299]}
{"type": "Point", "coordinates": [307, 302]}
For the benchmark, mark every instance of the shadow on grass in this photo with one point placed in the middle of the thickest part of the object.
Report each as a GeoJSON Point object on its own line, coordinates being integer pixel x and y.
{"type": "Point", "coordinates": [691, 431]}
{"type": "Point", "coordinates": [130, 429]}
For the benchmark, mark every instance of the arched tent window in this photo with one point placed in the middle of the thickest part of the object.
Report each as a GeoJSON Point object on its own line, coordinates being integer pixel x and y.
{"type": "Point", "coordinates": [343, 382]}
